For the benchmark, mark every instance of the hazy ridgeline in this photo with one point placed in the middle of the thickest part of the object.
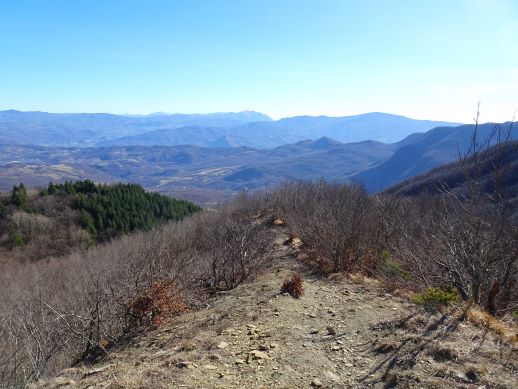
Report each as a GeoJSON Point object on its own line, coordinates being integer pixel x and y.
{"type": "Point", "coordinates": [56, 312]}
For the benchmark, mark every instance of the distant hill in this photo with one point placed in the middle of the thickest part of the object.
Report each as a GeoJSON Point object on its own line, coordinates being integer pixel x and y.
{"type": "Point", "coordinates": [248, 128]}
{"type": "Point", "coordinates": [87, 129]}
{"type": "Point", "coordinates": [421, 153]}
{"type": "Point", "coordinates": [376, 126]}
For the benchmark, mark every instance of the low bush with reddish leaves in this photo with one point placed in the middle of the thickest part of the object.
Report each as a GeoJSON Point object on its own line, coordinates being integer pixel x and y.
{"type": "Point", "coordinates": [156, 304]}
{"type": "Point", "coordinates": [293, 286]}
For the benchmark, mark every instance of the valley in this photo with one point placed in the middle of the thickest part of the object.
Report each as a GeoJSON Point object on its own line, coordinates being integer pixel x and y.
{"type": "Point", "coordinates": [177, 169]}
{"type": "Point", "coordinates": [207, 175]}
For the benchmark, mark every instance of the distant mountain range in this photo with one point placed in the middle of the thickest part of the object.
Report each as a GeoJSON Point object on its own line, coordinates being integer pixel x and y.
{"type": "Point", "coordinates": [206, 158]}
{"type": "Point", "coordinates": [207, 175]}
{"type": "Point", "coordinates": [248, 128]}
{"type": "Point", "coordinates": [88, 129]}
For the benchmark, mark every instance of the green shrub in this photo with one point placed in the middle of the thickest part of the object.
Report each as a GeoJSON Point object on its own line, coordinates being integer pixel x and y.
{"type": "Point", "coordinates": [515, 314]}
{"type": "Point", "coordinates": [19, 195]}
{"type": "Point", "coordinates": [388, 266]}
{"type": "Point", "coordinates": [433, 298]}
{"type": "Point", "coordinates": [15, 239]}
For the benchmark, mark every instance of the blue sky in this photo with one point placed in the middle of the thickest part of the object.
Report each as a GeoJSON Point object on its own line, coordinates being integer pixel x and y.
{"type": "Point", "coordinates": [424, 59]}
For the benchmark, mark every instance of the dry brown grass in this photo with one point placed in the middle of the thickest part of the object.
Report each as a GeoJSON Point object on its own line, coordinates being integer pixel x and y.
{"type": "Point", "coordinates": [497, 326]}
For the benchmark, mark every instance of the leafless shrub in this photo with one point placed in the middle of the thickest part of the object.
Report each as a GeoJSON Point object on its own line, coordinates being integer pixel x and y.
{"type": "Point", "coordinates": [463, 236]}
{"type": "Point", "coordinates": [232, 242]}
{"type": "Point", "coordinates": [57, 312]}
{"type": "Point", "coordinates": [335, 222]}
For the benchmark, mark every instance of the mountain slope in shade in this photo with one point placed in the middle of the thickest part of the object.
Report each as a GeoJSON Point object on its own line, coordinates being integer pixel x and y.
{"type": "Point", "coordinates": [453, 175]}
{"type": "Point", "coordinates": [424, 152]}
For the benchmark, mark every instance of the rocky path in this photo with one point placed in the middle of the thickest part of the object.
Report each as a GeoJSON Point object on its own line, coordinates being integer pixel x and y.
{"type": "Point", "coordinates": [340, 334]}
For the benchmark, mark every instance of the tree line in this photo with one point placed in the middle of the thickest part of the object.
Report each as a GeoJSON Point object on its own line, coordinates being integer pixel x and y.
{"type": "Point", "coordinates": [112, 210]}
{"type": "Point", "coordinates": [64, 217]}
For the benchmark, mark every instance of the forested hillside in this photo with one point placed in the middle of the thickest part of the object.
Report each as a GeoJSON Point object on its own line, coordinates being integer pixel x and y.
{"type": "Point", "coordinates": [53, 221]}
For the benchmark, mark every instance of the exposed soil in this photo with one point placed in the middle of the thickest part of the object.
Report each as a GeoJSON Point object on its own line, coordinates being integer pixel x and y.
{"type": "Point", "coordinates": [339, 334]}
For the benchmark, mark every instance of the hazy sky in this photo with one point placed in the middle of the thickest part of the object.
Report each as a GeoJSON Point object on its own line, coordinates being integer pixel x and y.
{"type": "Point", "coordinates": [424, 59]}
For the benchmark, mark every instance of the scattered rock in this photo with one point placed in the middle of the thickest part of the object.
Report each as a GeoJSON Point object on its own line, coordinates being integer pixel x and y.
{"type": "Point", "coordinates": [278, 222]}
{"type": "Point", "coordinates": [294, 241]}
{"type": "Point", "coordinates": [239, 362]}
{"type": "Point", "coordinates": [312, 315]}
{"type": "Point", "coordinates": [316, 383]}
{"type": "Point", "coordinates": [222, 345]}
{"type": "Point", "coordinates": [95, 371]}
{"type": "Point", "coordinates": [336, 348]}
{"type": "Point", "coordinates": [231, 332]}
{"type": "Point", "coordinates": [331, 330]}
{"type": "Point", "coordinates": [257, 354]}
{"type": "Point", "coordinates": [313, 331]}
{"type": "Point", "coordinates": [65, 382]}
{"type": "Point", "coordinates": [332, 376]}
{"type": "Point", "coordinates": [185, 365]}
{"type": "Point", "coordinates": [210, 367]}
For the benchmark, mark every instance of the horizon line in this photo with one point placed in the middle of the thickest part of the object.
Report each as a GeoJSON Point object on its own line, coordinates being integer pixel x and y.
{"type": "Point", "coordinates": [272, 117]}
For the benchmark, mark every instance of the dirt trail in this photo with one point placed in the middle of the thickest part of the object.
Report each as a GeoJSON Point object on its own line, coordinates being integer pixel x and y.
{"type": "Point", "coordinates": [340, 334]}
